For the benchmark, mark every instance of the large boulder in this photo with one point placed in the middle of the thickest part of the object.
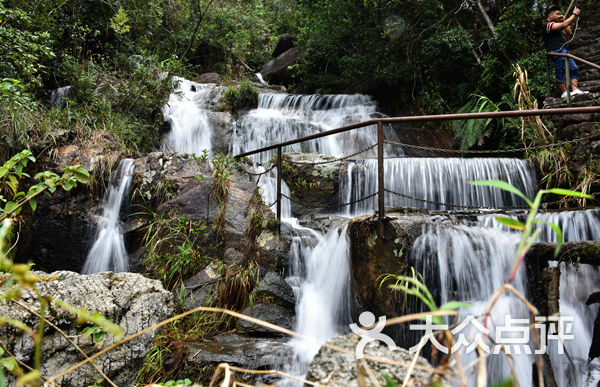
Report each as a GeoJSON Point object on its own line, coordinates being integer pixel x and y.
{"type": "Point", "coordinates": [187, 190]}
{"type": "Point", "coordinates": [276, 70]}
{"type": "Point", "coordinates": [284, 43]}
{"type": "Point", "coordinates": [313, 179]}
{"type": "Point", "coordinates": [127, 299]}
{"type": "Point", "coordinates": [335, 368]}
{"type": "Point", "coordinates": [60, 232]}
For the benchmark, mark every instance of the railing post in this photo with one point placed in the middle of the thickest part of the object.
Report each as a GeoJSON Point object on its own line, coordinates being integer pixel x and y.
{"type": "Point", "coordinates": [380, 174]}
{"type": "Point", "coordinates": [279, 189]}
{"type": "Point", "coordinates": [568, 80]}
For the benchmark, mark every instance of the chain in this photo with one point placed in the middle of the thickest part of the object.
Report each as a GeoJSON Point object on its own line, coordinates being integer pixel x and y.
{"type": "Point", "coordinates": [516, 150]}
{"type": "Point", "coordinates": [333, 160]}
{"type": "Point", "coordinates": [321, 206]}
{"type": "Point", "coordinates": [261, 173]}
{"type": "Point", "coordinates": [272, 204]}
{"type": "Point", "coordinates": [447, 204]}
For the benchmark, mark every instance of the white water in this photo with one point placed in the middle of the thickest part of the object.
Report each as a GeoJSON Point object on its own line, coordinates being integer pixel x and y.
{"type": "Point", "coordinates": [576, 284]}
{"type": "Point", "coordinates": [186, 112]}
{"type": "Point", "coordinates": [108, 252]}
{"type": "Point", "coordinates": [283, 117]}
{"type": "Point", "coordinates": [468, 264]}
{"type": "Point", "coordinates": [323, 298]}
{"type": "Point", "coordinates": [442, 180]}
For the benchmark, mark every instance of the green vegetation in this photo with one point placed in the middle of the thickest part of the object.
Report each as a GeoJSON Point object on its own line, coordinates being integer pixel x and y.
{"type": "Point", "coordinates": [235, 99]}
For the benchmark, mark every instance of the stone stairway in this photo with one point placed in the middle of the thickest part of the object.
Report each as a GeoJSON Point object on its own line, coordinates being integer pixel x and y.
{"type": "Point", "coordinates": [583, 156]}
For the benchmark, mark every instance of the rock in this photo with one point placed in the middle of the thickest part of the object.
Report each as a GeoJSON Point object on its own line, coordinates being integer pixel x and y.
{"type": "Point", "coordinates": [273, 287]}
{"type": "Point", "coordinates": [276, 71]}
{"type": "Point", "coordinates": [322, 223]}
{"type": "Point", "coordinates": [311, 181]}
{"type": "Point", "coordinates": [129, 300]}
{"type": "Point", "coordinates": [199, 289]}
{"type": "Point", "coordinates": [595, 346]}
{"type": "Point", "coordinates": [209, 78]}
{"type": "Point", "coordinates": [58, 97]}
{"type": "Point", "coordinates": [270, 313]}
{"type": "Point", "coordinates": [60, 233]}
{"type": "Point", "coordinates": [373, 255]}
{"type": "Point", "coordinates": [188, 186]}
{"type": "Point", "coordinates": [246, 352]}
{"type": "Point", "coordinates": [284, 43]}
{"type": "Point", "coordinates": [334, 368]}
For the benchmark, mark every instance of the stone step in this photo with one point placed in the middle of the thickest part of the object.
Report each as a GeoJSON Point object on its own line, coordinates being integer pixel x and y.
{"type": "Point", "coordinates": [591, 86]}
{"type": "Point", "coordinates": [579, 100]}
{"type": "Point", "coordinates": [588, 74]}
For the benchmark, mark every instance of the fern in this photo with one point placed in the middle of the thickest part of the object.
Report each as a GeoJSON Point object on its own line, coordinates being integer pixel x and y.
{"type": "Point", "coordinates": [470, 132]}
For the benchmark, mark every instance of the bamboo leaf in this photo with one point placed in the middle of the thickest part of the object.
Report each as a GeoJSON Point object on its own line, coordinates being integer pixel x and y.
{"type": "Point", "coordinates": [503, 186]}
{"type": "Point", "coordinates": [512, 223]}
{"type": "Point", "coordinates": [566, 192]}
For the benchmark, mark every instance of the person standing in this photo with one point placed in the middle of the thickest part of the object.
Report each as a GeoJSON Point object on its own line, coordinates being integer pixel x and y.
{"type": "Point", "coordinates": [555, 28]}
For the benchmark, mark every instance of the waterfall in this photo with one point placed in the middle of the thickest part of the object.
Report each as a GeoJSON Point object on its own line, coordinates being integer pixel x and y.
{"type": "Point", "coordinates": [459, 261]}
{"type": "Point", "coordinates": [186, 112]}
{"type": "Point", "coordinates": [576, 284]}
{"type": "Point", "coordinates": [464, 263]}
{"type": "Point", "coordinates": [442, 180]}
{"type": "Point", "coordinates": [323, 299]}
{"type": "Point", "coordinates": [108, 252]}
{"type": "Point", "coordinates": [283, 117]}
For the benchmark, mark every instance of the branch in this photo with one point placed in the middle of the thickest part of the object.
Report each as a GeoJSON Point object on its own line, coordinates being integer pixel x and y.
{"type": "Point", "coordinates": [196, 30]}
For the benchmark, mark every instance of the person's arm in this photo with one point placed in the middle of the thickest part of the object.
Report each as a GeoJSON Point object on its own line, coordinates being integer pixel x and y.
{"type": "Point", "coordinates": [567, 22]}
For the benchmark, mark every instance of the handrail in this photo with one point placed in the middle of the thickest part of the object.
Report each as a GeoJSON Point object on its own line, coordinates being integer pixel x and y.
{"type": "Point", "coordinates": [576, 58]}
{"type": "Point", "coordinates": [380, 141]}
{"type": "Point", "coordinates": [437, 117]}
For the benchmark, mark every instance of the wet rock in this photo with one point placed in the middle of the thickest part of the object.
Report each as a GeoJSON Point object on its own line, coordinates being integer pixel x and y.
{"type": "Point", "coordinates": [271, 313]}
{"type": "Point", "coordinates": [200, 288]}
{"type": "Point", "coordinates": [274, 288]}
{"type": "Point", "coordinates": [334, 368]}
{"type": "Point", "coordinates": [375, 252]}
{"type": "Point", "coordinates": [129, 300]}
{"type": "Point", "coordinates": [186, 190]}
{"type": "Point", "coordinates": [209, 78]}
{"type": "Point", "coordinates": [313, 183]}
{"type": "Point", "coordinates": [246, 352]}
{"type": "Point", "coordinates": [276, 71]}
{"type": "Point", "coordinates": [322, 223]}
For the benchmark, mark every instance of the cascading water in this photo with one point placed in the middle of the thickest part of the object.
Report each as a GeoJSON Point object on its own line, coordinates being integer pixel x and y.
{"type": "Point", "coordinates": [283, 117]}
{"type": "Point", "coordinates": [468, 262]}
{"type": "Point", "coordinates": [443, 180]}
{"type": "Point", "coordinates": [464, 263]}
{"type": "Point", "coordinates": [186, 112]}
{"type": "Point", "coordinates": [108, 252]}
{"type": "Point", "coordinates": [323, 299]}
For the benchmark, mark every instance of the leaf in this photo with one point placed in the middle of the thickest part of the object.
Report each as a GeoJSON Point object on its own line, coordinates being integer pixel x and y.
{"type": "Point", "coordinates": [566, 192]}
{"type": "Point", "coordinates": [33, 204]}
{"type": "Point", "coordinates": [453, 305]}
{"type": "Point", "coordinates": [10, 363]}
{"type": "Point", "coordinates": [559, 235]}
{"type": "Point", "coordinates": [512, 223]}
{"type": "Point", "coordinates": [504, 186]}
{"type": "Point", "coordinates": [10, 207]}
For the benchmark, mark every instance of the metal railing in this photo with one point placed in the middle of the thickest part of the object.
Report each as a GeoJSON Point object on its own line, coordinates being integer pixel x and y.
{"type": "Point", "coordinates": [568, 70]}
{"type": "Point", "coordinates": [379, 122]}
